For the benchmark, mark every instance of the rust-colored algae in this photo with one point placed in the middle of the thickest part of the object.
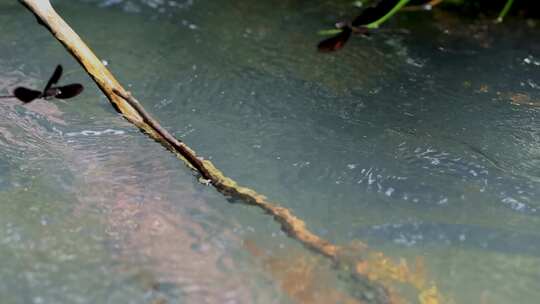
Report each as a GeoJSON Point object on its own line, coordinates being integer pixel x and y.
{"type": "Point", "coordinates": [522, 99]}
{"type": "Point", "coordinates": [301, 281]}
{"type": "Point", "coordinates": [300, 277]}
{"type": "Point", "coordinates": [377, 267]}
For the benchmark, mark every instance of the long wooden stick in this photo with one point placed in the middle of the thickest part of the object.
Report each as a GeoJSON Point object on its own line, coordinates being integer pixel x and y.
{"type": "Point", "coordinates": [133, 111]}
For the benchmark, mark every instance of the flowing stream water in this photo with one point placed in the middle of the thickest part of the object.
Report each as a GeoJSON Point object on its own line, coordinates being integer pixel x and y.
{"type": "Point", "coordinates": [421, 141]}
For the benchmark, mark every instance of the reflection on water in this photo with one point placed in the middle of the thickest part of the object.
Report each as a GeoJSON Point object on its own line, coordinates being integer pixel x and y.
{"type": "Point", "coordinates": [424, 144]}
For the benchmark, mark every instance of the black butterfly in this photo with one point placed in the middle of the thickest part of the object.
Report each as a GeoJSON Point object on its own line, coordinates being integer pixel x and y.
{"type": "Point", "coordinates": [27, 95]}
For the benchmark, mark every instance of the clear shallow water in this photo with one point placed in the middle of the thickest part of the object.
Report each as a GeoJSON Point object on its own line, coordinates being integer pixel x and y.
{"type": "Point", "coordinates": [409, 142]}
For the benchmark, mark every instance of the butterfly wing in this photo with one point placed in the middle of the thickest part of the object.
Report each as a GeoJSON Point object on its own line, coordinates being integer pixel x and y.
{"type": "Point", "coordinates": [26, 95]}
{"type": "Point", "coordinates": [70, 90]}
{"type": "Point", "coordinates": [335, 43]}
{"type": "Point", "coordinates": [369, 15]}
{"type": "Point", "coordinates": [54, 78]}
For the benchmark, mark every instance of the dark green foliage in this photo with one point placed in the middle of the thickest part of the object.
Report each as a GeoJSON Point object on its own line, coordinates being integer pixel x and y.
{"type": "Point", "coordinates": [524, 8]}
{"type": "Point", "coordinates": [377, 12]}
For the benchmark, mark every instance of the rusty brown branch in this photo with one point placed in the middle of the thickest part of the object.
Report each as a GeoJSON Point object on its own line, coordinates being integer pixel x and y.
{"type": "Point", "coordinates": [132, 110]}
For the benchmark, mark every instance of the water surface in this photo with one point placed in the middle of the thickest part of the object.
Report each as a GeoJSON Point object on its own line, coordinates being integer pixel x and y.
{"type": "Point", "coordinates": [422, 143]}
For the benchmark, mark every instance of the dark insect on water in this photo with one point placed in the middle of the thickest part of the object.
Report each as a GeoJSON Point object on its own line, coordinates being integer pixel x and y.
{"type": "Point", "coordinates": [356, 26]}
{"type": "Point", "coordinates": [27, 95]}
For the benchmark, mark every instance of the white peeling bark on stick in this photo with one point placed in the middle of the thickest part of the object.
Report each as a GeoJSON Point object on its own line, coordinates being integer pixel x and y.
{"type": "Point", "coordinates": [133, 111]}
